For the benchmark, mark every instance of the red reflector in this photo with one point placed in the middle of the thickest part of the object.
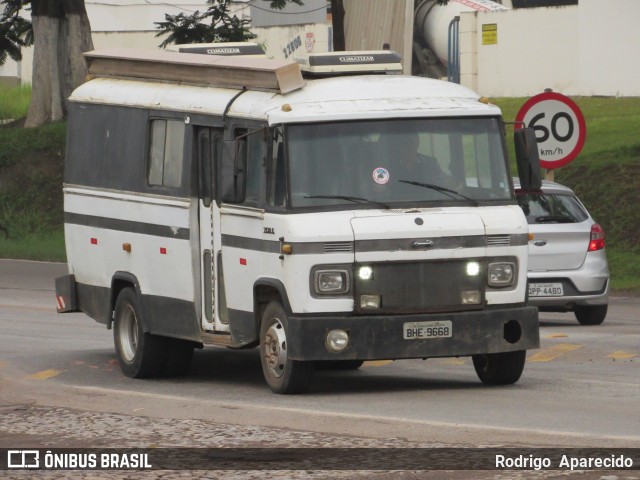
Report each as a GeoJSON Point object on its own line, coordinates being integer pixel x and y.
{"type": "Point", "coordinates": [94, 241]}
{"type": "Point", "coordinates": [597, 238]}
{"type": "Point", "coordinates": [243, 261]}
{"type": "Point", "coordinates": [163, 251]}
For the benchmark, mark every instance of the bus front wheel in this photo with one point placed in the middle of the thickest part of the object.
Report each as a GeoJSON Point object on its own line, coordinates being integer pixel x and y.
{"type": "Point", "coordinates": [500, 368]}
{"type": "Point", "coordinates": [283, 375]}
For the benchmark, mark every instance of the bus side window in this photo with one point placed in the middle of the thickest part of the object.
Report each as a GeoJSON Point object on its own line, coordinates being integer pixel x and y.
{"type": "Point", "coordinates": [246, 182]}
{"type": "Point", "coordinates": [166, 144]}
{"type": "Point", "coordinates": [256, 163]}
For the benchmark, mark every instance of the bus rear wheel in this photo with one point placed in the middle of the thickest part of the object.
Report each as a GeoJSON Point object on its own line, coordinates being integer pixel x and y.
{"type": "Point", "coordinates": [139, 354]}
{"type": "Point", "coordinates": [283, 375]}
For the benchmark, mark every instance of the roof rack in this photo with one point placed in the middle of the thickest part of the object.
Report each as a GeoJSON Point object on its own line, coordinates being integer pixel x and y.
{"type": "Point", "coordinates": [350, 63]}
{"type": "Point", "coordinates": [245, 49]}
{"type": "Point", "coordinates": [189, 68]}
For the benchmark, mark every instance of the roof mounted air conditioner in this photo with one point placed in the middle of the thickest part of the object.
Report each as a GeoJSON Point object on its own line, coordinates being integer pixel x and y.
{"type": "Point", "coordinates": [245, 49]}
{"type": "Point", "coordinates": [350, 63]}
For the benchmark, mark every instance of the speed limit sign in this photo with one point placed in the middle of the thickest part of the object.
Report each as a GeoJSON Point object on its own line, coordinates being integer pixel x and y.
{"type": "Point", "coordinates": [559, 125]}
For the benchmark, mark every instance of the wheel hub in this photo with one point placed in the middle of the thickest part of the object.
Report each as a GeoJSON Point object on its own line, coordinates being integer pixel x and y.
{"type": "Point", "coordinates": [275, 348]}
{"type": "Point", "coordinates": [129, 335]}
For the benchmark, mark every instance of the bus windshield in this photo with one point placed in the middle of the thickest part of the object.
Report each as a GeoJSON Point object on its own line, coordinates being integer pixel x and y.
{"type": "Point", "coordinates": [383, 162]}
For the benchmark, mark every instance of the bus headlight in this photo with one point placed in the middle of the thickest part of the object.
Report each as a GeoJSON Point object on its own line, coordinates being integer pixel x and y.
{"type": "Point", "coordinates": [331, 281]}
{"type": "Point", "coordinates": [473, 269]}
{"type": "Point", "coordinates": [365, 272]}
{"type": "Point", "coordinates": [501, 274]}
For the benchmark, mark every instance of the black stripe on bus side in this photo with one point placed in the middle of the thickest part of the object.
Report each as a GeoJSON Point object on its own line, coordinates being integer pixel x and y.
{"type": "Point", "coordinates": [255, 244]}
{"type": "Point", "coordinates": [127, 226]}
{"type": "Point", "coordinates": [407, 244]}
{"type": "Point", "coordinates": [273, 246]}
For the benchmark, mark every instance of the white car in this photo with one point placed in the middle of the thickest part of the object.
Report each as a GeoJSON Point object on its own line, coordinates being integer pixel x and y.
{"type": "Point", "coordinates": [568, 268]}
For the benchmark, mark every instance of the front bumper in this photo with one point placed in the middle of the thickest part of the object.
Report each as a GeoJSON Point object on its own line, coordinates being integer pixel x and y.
{"type": "Point", "coordinates": [381, 337]}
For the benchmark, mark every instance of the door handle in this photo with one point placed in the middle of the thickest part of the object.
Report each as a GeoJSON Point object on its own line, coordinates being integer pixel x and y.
{"type": "Point", "coordinates": [540, 243]}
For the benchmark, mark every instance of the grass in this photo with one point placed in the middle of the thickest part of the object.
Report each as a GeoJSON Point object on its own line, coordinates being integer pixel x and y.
{"type": "Point", "coordinates": [30, 186]}
{"type": "Point", "coordinates": [14, 101]}
{"type": "Point", "coordinates": [45, 246]}
{"type": "Point", "coordinates": [19, 145]}
{"type": "Point", "coordinates": [624, 268]}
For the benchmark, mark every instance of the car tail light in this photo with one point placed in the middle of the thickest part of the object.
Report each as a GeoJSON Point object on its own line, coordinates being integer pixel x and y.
{"type": "Point", "coordinates": [597, 238]}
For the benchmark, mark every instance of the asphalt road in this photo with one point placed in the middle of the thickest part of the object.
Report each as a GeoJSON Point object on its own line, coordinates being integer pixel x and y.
{"type": "Point", "coordinates": [581, 389]}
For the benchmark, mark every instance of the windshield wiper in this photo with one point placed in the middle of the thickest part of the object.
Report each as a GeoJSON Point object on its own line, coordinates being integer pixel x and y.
{"type": "Point", "coordinates": [438, 188]}
{"type": "Point", "coordinates": [554, 219]}
{"type": "Point", "coordinates": [350, 199]}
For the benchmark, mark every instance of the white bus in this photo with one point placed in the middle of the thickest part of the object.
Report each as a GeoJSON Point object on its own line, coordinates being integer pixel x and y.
{"type": "Point", "coordinates": [327, 220]}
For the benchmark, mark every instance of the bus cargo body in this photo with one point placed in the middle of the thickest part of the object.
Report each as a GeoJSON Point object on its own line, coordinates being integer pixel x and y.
{"type": "Point", "coordinates": [309, 224]}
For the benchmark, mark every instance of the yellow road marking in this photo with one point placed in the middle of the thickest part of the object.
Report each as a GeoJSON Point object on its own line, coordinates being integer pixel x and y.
{"type": "Point", "coordinates": [452, 361]}
{"type": "Point", "coordinates": [43, 375]}
{"type": "Point", "coordinates": [620, 355]}
{"type": "Point", "coordinates": [558, 335]}
{"type": "Point", "coordinates": [554, 352]}
{"type": "Point", "coordinates": [377, 363]}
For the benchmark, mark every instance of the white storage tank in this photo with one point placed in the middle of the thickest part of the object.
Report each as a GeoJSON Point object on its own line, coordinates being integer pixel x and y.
{"type": "Point", "coordinates": [432, 20]}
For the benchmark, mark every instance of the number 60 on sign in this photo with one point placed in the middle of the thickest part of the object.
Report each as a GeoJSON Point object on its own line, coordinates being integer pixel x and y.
{"type": "Point", "coordinates": [559, 125]}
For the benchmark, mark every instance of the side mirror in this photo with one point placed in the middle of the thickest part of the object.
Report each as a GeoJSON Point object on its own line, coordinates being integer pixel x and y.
{"type": "Point", "coordinates": [234, 174]}
{"type": "Point", "coordinates": [528, 159]}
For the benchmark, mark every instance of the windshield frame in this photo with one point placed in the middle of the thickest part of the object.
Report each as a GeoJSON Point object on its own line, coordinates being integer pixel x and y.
{"type": "Point", "coordinates": [445, 201]}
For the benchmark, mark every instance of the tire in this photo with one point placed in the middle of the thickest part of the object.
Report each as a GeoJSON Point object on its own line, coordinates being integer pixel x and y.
{"type": "Point", "coordinates": [591, 315]}
{"type": "Point", "coordinates": [500, 368]}
{"type": "Point", "coordinates": [140, 355]}
{"type": "Point", "coordinates": [283, 375]}
{"type": "Point", "coordinates": [339, 365]}
{"type": "Point", "coordinates": [180, 355]}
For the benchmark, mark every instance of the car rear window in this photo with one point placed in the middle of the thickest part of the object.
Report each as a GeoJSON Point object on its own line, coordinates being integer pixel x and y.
{"type": "Point", "coordinates": [551, 208]}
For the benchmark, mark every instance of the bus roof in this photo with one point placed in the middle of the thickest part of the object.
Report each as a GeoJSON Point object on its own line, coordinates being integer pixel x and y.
{"type": "Point", "coordinates": [327, 99]}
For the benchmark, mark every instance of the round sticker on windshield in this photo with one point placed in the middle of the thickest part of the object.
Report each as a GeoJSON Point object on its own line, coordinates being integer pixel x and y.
{"type": "Point", "coordinates": [380, 175]}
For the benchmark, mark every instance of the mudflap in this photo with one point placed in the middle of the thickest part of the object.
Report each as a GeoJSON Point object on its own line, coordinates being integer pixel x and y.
{"type": "Point", "coordinates": [66, 300]}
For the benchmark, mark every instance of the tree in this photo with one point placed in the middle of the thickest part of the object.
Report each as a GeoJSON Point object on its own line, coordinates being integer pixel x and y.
{"type": "Point", "coordinates": [15, 31]}
{"type": "Point", "coordinates": [216, 24]}
{"type": "Point", "coordinates": [61, 33]}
